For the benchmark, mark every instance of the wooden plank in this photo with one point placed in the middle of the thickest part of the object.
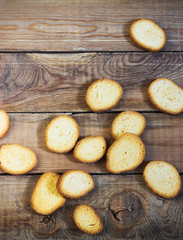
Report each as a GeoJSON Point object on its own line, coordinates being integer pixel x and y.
{"type": "Point", "coordinates": [28, 81]}
{"type": "Point", "coordinates": [163, 138]}
{"type": "Point", "coordinates": [126, 205]}
{"type": "Point", "coordinates": [78, 25]}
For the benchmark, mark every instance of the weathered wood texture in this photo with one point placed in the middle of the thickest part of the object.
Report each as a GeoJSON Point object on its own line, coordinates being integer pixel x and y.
{"type": "Point", "coordinates": [129, 210]}
{"type": "Point", "coordinates": [163, 138]}
{"type": "Point", "coordinates": [84, 25]}
{"type": "Point", "coordinates": [58, 82]}
{"type": "Point", "coordinates": [34, 88]}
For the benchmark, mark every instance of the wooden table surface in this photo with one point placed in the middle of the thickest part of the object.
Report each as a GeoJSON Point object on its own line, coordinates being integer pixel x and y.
{"type": "Point", "coordinates": [50, 52]}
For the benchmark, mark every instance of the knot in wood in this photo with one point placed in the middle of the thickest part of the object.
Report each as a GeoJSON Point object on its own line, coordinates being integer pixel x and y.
{"type": "Point", "coordinates": [126, 207]}
{"type": "Point", "coordinates": [45, 224]}
{"type": "Point", "coordinates": [46, 219]}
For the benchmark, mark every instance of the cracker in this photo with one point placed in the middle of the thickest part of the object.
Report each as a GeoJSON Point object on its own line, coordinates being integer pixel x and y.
{"type": "Point", "coordinates": [125, 154]}
{"type": "Point", "coordinates": [87, 220]}
{"type": "Point", "coordinates": [90, 149]}
{"type": "Point", "coordinates": [162, 178]}
{"type": "Point", "coordinates": [75, 184]}
{"type": "Point", "coordinates": [17, 159]}
{"type": "Point", "coordinates": [128, 121]}
{"type": "Point", "coordinates": [4, 123]}
{"type": "Point", "coordinates": [45, 197]}
{"type": "Point", "coordinates": [103, 94]}
{"type": "Point", "coordinates": [61, 134]}
{"type": "Point", "coordinates": [147, 34]}
{"type": "Point", "coordinates": [166, 96]}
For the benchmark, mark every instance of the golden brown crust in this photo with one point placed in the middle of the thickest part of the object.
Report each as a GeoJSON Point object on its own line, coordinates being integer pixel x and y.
{"type": "Point", "coordinates": [38, 185]}
{"type": "Point", "coordinates": [46, 212]}
{"type": "Point", "coordinates": [154, 188]}
{"type": "Point", "coordinates": [139, 161]}
{"type": "Point", "coordinates": [93, 212]}
{"type": "Point", "coordinates": [5, 130]}
{"type": "Point", "coordinates": [28, 169]}
{"type": "Point", "coordinates": [67, 195]}
{"type": "Point", "coordinates": [47, 129]}
{"type": "Point", "coordinates": [129, 112]}
{"type": "Point", "coordinates": [141, 45]}
{"type": "Point", "coordinates": [20, 172]}
{"type": "Point", "coordinates": [81, 142]}
{"type": "Point", "coordinates": [122, 171]}
{"type": "Point", "coordinates": [111, 105]}
{"type": "Point", "coordinates": [155, 103]}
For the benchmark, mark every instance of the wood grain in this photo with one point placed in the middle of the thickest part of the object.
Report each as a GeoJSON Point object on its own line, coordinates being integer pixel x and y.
{"type": "Point", "coordinates": [79, 25]}
{"type": "Point", "coordinates": [36, 87]}
{"type": "Point", "coordinates": [163, 138]}
{"type": "Point", "coordinates": [126, 205]}
{"type": "Point", "coordinates": [58, 82]}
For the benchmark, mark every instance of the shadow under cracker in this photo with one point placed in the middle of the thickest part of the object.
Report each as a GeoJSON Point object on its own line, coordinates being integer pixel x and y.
{"type": "Point", "coordinates": [144, 90]}
{"type": "Point", "coordinates": [41, 133]}
{"type": "Point", "coordinates": [26, 196]}
{"type": "Point", "coordinates": [81, 96]}
{"type": "Point", "coordinates": [126, 33]}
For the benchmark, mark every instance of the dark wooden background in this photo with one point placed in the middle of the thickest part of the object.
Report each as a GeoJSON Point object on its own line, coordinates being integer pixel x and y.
{"type": "Point", "coordinates": [50, 52]}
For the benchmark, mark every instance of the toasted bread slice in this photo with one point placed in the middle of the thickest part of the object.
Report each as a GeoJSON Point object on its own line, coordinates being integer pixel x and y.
{"type": "Point", "coordinates": [125, 154]}
{"type": "Point", "coordinates": [17, 159]}
{"type": "Point", "coordinates": [87, 220]}
{"type": "Point", "coordinates": [75, 184]}
{"type": "Point", "coordinates": [61, 134]}
{"type": "Point", "coordinates": [103, 94]}
{"type": "Point", "coordinates": [45, 197]}
{"type": "Point", "coordinates": [90, 149]}
{"type": "Point", "coordinates": [147, 34]}
{"type": "Point", "coordinates": [4, 123]}
{"type": "Point", "coordinates": [162, 178]}
{"type": "Point", "coordinates": [128, 121]}
{"type": "Point", "coordinates": [166, 95]}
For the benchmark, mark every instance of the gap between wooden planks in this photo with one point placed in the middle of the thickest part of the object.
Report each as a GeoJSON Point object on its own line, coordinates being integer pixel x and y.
{"type": "Point", "coordinates": [162, 137]}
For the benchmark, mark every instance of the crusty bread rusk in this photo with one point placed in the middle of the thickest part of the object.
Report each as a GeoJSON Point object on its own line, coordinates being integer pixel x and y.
{"type": "Point", "coordinates": [90, 149]}
{"type": "Point", "coordinates": [103, 94]}
{"type": "Point", "coordinates": [163, 179]}
{"type": "Point", "coordinates": [166, 95]}
{"type": "Point", "coordinates": [87, 220]}
{"type": "Point", "coordinates": [45, 197]}
{"type": "Point", "coordinates": [61, 134]}
{"type": "Point", "coordinates": [128, 121]}
{"type": "Point", "coordinates": [4, 123]}
{"type": "Point", "coordinates": [17, 159]}
{"type": "Point", "coordinates": [75, 184]}
{"type": "Point", "coordinates": [125, 154]}
{"type": "Point", "coordinates": [147, 34]}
